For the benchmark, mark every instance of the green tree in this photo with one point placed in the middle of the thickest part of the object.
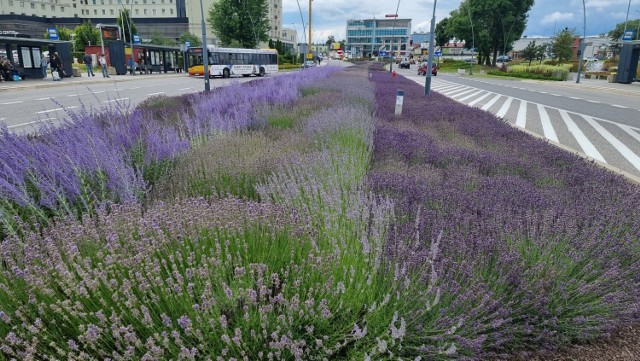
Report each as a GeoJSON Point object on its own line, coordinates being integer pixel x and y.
{"type": "Point", "coordinates": [240, 21]}
{"type": "Point", "coordinates": [497, 23]}
{"type": "Point", "coordinates": [159, 39]}
{"type": "Point", "coordinates": [191, 38]}
{"type": "Point", "coordinates": [86, 34]}
{"type": "Point", "coordinates": [562, 44]}
{"type": "Point", "coordinates": [330, 40]}
{"type": "Point", "coordinates": [442, 35]}
{"type": "Point", "coordinates": [124, 20]}
{"type": "Point", "coordinates": [540, 52]}
{"type": "Point", "coordinates": [529, 52]}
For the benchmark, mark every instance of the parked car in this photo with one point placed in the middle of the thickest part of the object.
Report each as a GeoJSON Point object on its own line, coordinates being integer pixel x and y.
{"type": "Point", "coordinates": [422, 70]}
{"type": "Point", "coordinates": [308, 64]}
{"type": "Point", "coordinates": [503, 59]}
{"type": "Point", "coordinates": [404, 65]}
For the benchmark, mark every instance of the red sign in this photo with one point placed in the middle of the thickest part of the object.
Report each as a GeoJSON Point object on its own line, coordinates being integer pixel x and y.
{"type": "Point", "coordinates": [339, 52]}
{"type": "Point", "coordinates": [391, 16]}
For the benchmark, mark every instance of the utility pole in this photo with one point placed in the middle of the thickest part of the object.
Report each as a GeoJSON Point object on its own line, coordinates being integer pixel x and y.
{"type": "Point", "coordinates": [473, 37]}
{"type": "Point", "coordinates": [584, 36]}
{"type": "Point", "coordinates": [309, 52]}
{"type": "Point", "coordinates": [427, 81]}
{"type": "Point", "coordinates": [205, 52]}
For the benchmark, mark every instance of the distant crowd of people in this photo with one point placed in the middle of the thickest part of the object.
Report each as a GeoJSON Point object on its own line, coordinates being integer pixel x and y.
{"type": "Point", "coordinates": [7, 71]}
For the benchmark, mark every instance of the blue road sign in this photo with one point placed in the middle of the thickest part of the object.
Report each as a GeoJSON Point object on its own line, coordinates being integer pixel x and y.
{"type": "Point", "coordinates": [383, 53]}
{"type": "Point", "coordinates": [187, 44]}
{"type": "Point", "coordinates": [628, 35]}
{"type": "Point", "coordinates": [53, 34]}
{"type": "Point", "coordinates": [136, 39]}
{"type": "Point", "coordinates": [438, 53]}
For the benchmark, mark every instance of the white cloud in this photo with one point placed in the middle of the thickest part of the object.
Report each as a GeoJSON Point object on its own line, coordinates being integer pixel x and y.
{"type": "Point", "coordinates": [556, 17]}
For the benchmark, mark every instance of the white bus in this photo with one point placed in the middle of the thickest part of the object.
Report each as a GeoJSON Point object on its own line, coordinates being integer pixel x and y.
{"type": "Point", "coordinates": [226, 62]}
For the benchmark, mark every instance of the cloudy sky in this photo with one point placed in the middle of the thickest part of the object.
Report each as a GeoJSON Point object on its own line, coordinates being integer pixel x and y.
{"type": "Point", "coordinates": [330, 16]}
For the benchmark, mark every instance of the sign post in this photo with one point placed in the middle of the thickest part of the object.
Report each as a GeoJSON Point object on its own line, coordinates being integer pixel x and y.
{"type": "Point", "coordinates": [53, 34]}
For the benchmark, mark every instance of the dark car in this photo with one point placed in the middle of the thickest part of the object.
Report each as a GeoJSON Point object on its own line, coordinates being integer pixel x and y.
{"type": "Point", "coordinates": [503, 59]}
{"type": "Point", "coordinates": [422, 70]}
{"type": "Point", "coordinates": [404, 65]}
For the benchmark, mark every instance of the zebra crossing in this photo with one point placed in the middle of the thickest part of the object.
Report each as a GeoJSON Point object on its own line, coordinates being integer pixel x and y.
{"type": "Point", "coordinates": [601, 139]}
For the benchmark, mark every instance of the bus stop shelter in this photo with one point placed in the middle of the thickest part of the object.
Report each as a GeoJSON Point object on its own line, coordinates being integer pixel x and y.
{"type": "Point", "coordinates": [25, 54]}
{"type": "Point", "coordinates": [158, 58]}
{"type": "Point", "coordinates": [628, 64]}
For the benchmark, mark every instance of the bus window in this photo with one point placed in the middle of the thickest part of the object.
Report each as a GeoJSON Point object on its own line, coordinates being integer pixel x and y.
{"type": "Point", "coordinates": [214, 58]}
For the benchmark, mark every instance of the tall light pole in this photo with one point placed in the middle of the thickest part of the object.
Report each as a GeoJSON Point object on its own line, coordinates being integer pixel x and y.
{"type": "Point", "coordinates": [205, 53]}
{"type": "Point", "coordinates": [427, 81]}
{"type": "Point", "coordinates": [626, 19]}
{"type": "Point", "coordinates": [393, 37]}
{"type": "Point", "coordinates": [584, 36]}
{"type": "Point", "coordinates": [309, 51]}
{"type": "Point", "coordinates": [473, 39]}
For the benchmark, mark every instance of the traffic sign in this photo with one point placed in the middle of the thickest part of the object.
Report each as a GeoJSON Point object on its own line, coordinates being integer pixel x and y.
{"type": "Point", "coordinates": [136, 39]}
{"type": "Point", "coordinates": [437, 53]}
{"type": "Point", "coordinates": [383, 53]}
{"type": "Point", "coordinates": [187, 44]}
{"type": "Point", "coordinates": [53, 34]}
{"type": "Point", "coordinates": [628, 35]}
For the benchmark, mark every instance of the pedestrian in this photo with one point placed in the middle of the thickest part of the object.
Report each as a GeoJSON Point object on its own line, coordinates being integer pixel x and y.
{"type": "Point", "coordinates": [103, 63]}
{"type": "Point", "coordinates": [56, 66]}
{"type": "Point", "coordinates": [88, 62]}
{"type": "Point", "coordinates": [132, 66]}
{"type": "Point", "coordinates": [43, 64]}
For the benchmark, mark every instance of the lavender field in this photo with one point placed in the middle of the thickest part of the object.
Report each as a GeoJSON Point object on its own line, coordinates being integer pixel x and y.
{"type": "Point", "coordinates": [296, 218]}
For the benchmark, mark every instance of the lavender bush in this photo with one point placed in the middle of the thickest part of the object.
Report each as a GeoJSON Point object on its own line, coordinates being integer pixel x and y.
{"type": "Point", "coordinates": [539, 247]}
{"type": "Point", "coordinates": [117, 154]}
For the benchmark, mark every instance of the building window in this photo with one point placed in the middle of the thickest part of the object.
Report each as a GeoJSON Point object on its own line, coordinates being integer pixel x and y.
{"type": "Point", "coordinates": [104, 12]}
{"type": "Point", "coordinates": [111, 2]}
{"type": "Point", "coordinates": [145, 11]}
{"type": "Point", "coordinates": [164, 10]}
{"type": "Point", "coordinates": [154, 11]}
{"type": "Point", "coordinates": [53, 7]}
{"type": "Point", "coordinates": [171, 11]}
{"type": "Point", "coordinates": [41, 5]}
{"type": "Point", "coordinates": [11, 3]}
{"type": "Point", "coordinates": [94, 2]}
{"type": "Point", "coordinates": [33, 6]}
{"type": "Point", "coordinates": [144, 1]}
{"type": "Point", "coordinates": [137, 11]}
{"type": "Point", "coordinates": [111, 11]}
{"type": "Point", "coordinates": [21, 4]}
{"type": "Point", "coordinates": [62, 9]}
{"type": "Point", "coordinates": [102, 2]}
{"type": "Point", "coordinates": [95, 12]}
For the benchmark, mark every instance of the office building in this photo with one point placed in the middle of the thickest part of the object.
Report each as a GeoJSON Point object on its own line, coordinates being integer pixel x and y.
{"type": "Point", "coordinates": [367, 37]}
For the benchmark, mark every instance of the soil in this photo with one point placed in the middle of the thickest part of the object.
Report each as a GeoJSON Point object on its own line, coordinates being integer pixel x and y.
{"type": "Point", "coordinates": [623, 345]}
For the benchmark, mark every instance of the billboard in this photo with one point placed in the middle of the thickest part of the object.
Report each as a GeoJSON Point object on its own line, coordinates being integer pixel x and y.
{"type": "Point", "coordinates": [110, 32]}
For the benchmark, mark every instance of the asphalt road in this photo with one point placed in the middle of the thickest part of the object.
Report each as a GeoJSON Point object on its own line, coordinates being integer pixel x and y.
{"type": "Point", "coordinates": [595, 119]}
{"type": "Point", "coordinates": [25, 104]}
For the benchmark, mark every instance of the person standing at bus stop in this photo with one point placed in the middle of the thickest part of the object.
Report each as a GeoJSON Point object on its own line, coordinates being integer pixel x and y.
{"type": "Point", "coordinates": [103, 63]}
{"type": "Point", "coordinates": [43, 65]}
{"type": "Point", "coordinates": [88, 62]}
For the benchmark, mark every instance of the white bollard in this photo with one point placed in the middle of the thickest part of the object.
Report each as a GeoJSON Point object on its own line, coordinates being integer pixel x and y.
{"type": "Point", "coordinates": [399, 101]}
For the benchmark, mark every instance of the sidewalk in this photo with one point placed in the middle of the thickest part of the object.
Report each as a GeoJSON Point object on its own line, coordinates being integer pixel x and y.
{"type": "Point", "coordinates": [31, 83]}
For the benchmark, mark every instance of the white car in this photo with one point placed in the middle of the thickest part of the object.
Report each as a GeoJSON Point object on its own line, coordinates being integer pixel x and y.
{"type": "Point", "coordinates": [308, 64]}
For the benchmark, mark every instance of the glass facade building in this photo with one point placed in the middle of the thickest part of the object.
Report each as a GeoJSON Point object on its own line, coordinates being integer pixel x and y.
{"type": "Point", "coordinates": [366, 38]}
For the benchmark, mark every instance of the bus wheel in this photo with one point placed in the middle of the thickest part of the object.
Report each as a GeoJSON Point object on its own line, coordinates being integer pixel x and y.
{"type": "Point", "coordinates": [261, 71]}
{"type": "Point", "coordinates": [225, 73]}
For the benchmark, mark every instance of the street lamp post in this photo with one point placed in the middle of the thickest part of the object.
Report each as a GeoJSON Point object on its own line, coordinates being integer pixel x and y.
{"type": "Point", "coordinates": [473, 37]}
{"type": "Point", "coordinates": [626, 19]}
{"type": "Point", "coordinates": [393, 36]}
{"type": "Point", "coordinates": [427, 82]}
{"type": "Point", "coordinates": [205, 53]}
{"type": "Point", "coordinates": [584, 35]}
{"type": "Point", "coordinates": [309, 51]}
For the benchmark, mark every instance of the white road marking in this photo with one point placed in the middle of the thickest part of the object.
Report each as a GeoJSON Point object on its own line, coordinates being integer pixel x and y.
{"type": "Point", "coordinates": [74, 95]}
{"type": "Point", "coordinates": [470, 96]}
{"type": "Point", "coordinates": [98, 92]}
{"type": "Point", "coordinates": [47, 98]}
{"type": "Point", "coordinates": [547, 127]}
{"type": "Point", "coordinates": [630, 131]}
{"type": "Point", "coordinates": [114, 100]}
{"type": "Point", "coordinates": [446, 91]}
{"type": "Point", "coordinates": [505, 107]}
{"type": "Point", "coordinates": [617, 144]}
{"type": "Point", "coordinates": [587, 147]}
{"type": "Point", "coordinates": [576, 98]}
{"type": "Point", "coordinates": [592, 101]}
{"type": "Point", "coordinates": [476, 101]}
{"type": "Point", "coordinates": [491, 102]}
{"type": "Point", "coordinates": [450, 93]}
{"type": "Point", "coordinates": [184, 89]}
{"type": "Point", "coordinates": [521, 118]}
{"type": "Point", "coordinates": [619, 106]}
{"type": "Point", "coordinates": [55, 109]}
{"type": "Point", "coordinates": [21, 124]}
{"type": "Point", "coordinates": [465, 92]}
{"type": "Point", "coordinates": [8, 103]}
{"type": "Point", "coordinates": [156, 93]}
{"type": "Point", "coordinates": [1, 119]}
{"type": "Point", "coordinates": [555, 95]}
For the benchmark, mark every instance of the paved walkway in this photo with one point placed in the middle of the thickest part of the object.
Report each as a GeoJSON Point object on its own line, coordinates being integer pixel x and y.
{"type": "Point", "coordinates": [83, 79]}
